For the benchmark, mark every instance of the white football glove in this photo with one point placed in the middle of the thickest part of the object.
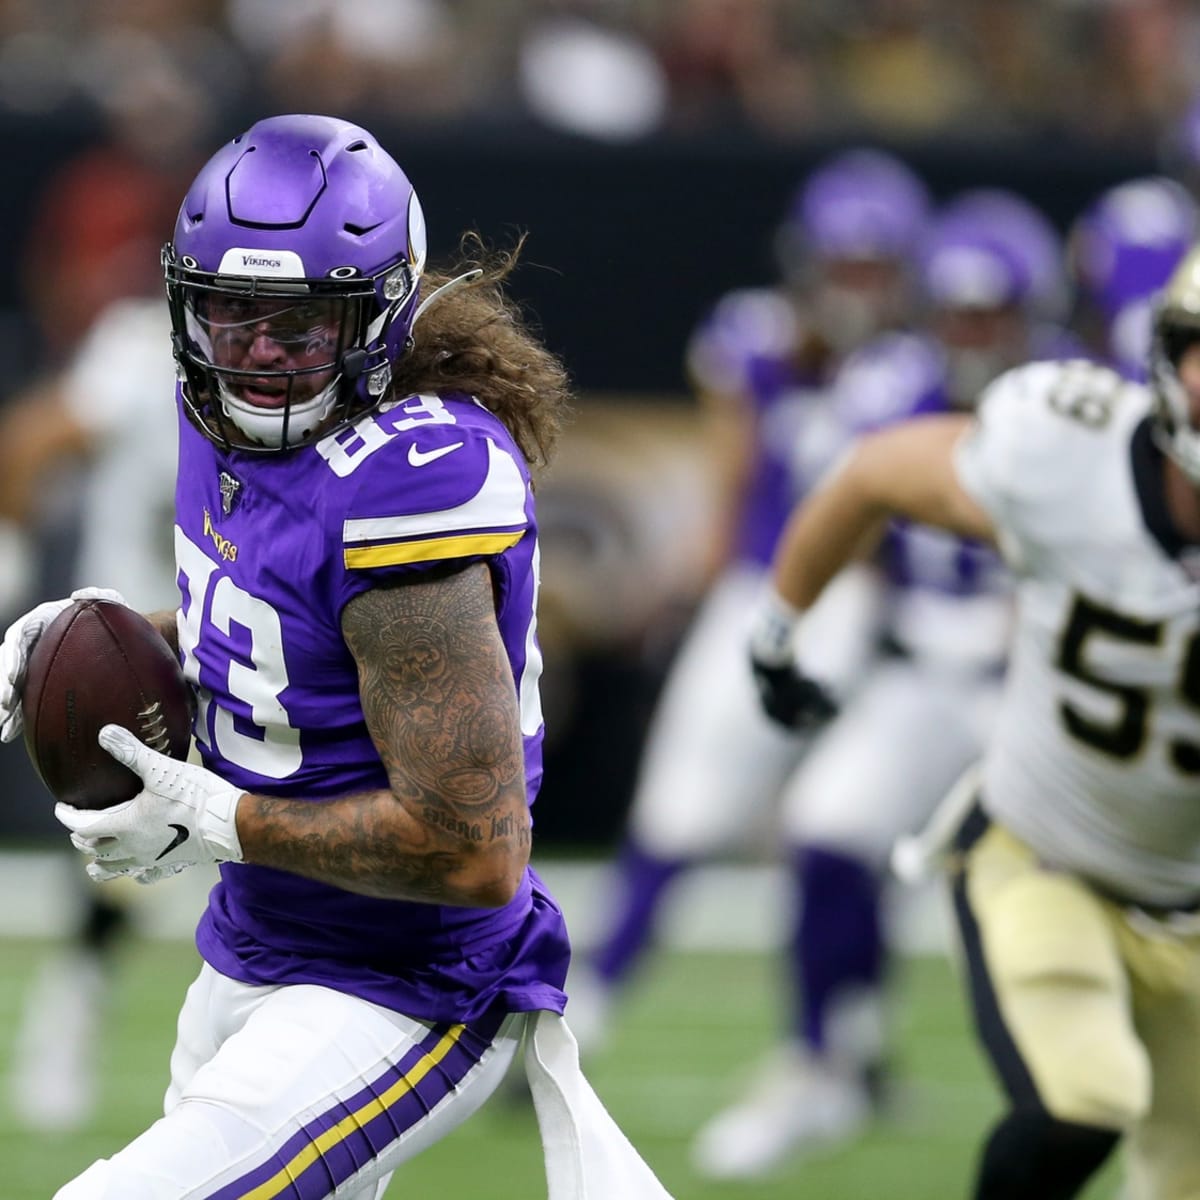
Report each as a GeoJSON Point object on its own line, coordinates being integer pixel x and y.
{"type": "Point", "coordinates": [184, 815]}
{"type": "Point", "coordinates": [17, 646]}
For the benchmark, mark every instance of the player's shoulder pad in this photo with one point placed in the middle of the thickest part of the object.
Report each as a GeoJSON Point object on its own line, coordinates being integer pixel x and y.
{"type": "Point", "coordinates": [890, 378]}
{"type": "Point", "coordinates": [744, 326]}
{"type": "Point", "coordinates": [430, 478]}
{"type": "Point", "coordinates": [1039, 427]}
{"type": "Point", "coordinates": [1045, 404]}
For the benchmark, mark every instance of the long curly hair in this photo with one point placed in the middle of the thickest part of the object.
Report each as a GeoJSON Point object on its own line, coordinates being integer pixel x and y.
{"type": "Point", "coordinates": [475, 339]}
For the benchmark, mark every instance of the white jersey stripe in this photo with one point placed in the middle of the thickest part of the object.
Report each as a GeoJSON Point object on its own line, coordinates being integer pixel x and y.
{"type": "Point", "coordinates": [499, 504]}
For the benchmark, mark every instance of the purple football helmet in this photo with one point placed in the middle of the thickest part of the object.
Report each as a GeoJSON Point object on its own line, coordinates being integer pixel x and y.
{"type": "Point", "coordinates": [990, 266]}
{"type": "Point", "coordinates": [861, 204]}
{"type": "Point", "coordinates": [293, 280]}
{"type": "Point", "coordinates": [1124, 248]}
{"type": "Point", "coordinates": [847, 242]}
{"type": "Point", "coordinates": [990, 248]}
{"type": "Point", "coordinates": [1130, 239]}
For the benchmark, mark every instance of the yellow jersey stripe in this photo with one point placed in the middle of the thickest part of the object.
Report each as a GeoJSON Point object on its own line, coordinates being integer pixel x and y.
{"type": "Point", "coordinates": [347, 1125]}
{"type": "Point", "coordinates": [430, 550]}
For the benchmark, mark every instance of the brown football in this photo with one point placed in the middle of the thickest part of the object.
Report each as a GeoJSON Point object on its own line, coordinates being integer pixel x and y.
{"type": "Point", "coordinates": [101, 663]}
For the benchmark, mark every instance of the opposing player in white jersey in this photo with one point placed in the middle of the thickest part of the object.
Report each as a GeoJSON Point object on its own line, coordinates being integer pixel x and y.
{"type": "Point", "coordinates": [991, 277]}
{"type": "Point", "coordinates": [1076, 872]}
{"type": "Point", "coordinates": [107, 407]}
{"type": "Point", "coordinates": [762, 363]}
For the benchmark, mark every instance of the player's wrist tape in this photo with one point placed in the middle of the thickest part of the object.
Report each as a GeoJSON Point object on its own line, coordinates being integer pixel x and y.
{"type": "Point", "coordinates": [218, 825]}
{"type": "Point", "coordinates": [774, 629]}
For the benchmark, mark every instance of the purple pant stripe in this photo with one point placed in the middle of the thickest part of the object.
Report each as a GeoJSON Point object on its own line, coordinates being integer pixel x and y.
{"type": "Point", "coordinates": [348, 1135]}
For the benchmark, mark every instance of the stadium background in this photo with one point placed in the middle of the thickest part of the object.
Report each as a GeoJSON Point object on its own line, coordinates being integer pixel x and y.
{"type": "Point", "coordinates": [638, 218]}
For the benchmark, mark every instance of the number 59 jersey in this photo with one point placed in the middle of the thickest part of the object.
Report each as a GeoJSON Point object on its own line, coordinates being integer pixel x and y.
{"type": "Point", "coordinates": [270, 549]}
{"type": "Point", "coordinates": [1095, 761]}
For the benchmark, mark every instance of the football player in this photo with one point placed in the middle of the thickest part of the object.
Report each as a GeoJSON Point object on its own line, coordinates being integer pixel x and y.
{"type": "Point", "coordinates": [762, 363]}
{"type": "Point", "coordinates": [1122, 250]}
{"type": "Point", "coordinates": [356, 542]}
{"type": "Point", "coordinates": [991, 275]}
{"type": "Point", "coordinates": [1076, 867]}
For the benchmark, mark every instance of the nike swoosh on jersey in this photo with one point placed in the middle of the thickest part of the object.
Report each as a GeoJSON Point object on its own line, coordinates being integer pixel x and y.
{"type": "Point", "coordinates": [419, 458]}
{"type": "Point", "coordinates": [182, 833]}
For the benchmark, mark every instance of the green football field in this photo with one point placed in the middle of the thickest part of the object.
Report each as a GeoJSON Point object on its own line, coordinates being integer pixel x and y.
{"type": "Point", "coordinates": [693, 1026]}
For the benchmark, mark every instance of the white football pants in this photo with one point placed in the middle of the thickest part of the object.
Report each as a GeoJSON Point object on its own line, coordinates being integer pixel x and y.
{"type": "Point", "coordinates": [892, 753]}
{"type": "Point", "coordinates": [714, 762]}
{"type": "Point", "coordinates": [303, 1093]}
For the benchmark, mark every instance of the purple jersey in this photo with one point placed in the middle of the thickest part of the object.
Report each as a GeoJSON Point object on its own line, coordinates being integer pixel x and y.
{"type": "Point", "coordinates": [748, 349]}
{"type": "Point", "coordinates": [270, 548]}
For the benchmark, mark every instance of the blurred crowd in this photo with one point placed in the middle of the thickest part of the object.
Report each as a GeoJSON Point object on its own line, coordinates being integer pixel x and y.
{"type": "Point", "coordinates": [624, 69]}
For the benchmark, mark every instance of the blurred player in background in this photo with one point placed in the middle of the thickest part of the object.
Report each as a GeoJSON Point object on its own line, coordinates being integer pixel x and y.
{"type": "Point", "coordinates": [762, 365]}
{"type": "Point", "coordinates": [94, 429]}
{"type": "Point", "coordinates": [106, 412]}
{"type": "Point", "coordinates": [356, 543]}
{"type": "Point", "coordinates": [1075, 861]}
{"type": "Point", "coordinates": [1123, 248]}
{"type": "Point", "coordinates": [991, 279]}
{"type": "Point", "coordinates": [96, 227]}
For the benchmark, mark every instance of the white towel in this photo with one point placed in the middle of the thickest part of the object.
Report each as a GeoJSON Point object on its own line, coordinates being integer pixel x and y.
{"type": "Point", "coordinates": [587, 1155]}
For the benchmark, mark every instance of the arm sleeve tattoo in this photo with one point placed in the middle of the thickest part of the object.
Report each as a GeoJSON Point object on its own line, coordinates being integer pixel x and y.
{"type": "Point", "coordinates": [440, 702]}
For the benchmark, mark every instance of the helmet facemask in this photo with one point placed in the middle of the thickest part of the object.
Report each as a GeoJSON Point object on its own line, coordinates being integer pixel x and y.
{"type": "Point", "coordinates": [325, 362]}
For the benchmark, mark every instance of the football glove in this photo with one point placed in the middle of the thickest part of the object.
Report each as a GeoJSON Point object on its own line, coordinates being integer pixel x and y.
{"type": "Point", "coordinates": [19, 640]}
{"type": "Point", "coordinates": [184, 815]}
{"type": "Point", "coordinates": [790, 698]}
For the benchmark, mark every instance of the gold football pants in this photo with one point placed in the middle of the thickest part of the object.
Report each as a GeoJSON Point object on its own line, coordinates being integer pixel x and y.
{"type": "Point", "coordinates": [1087, 1008]}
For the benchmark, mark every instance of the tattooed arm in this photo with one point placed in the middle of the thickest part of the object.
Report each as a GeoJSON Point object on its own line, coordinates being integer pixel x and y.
{"type": "Point", "coordinates": [440, 702]}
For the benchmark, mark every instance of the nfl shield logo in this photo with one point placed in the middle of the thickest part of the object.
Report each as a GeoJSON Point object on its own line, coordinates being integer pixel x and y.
{"type": "Point", "coordinates": [230, 488]}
